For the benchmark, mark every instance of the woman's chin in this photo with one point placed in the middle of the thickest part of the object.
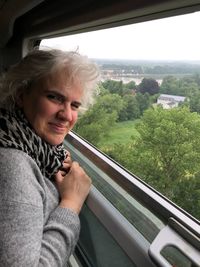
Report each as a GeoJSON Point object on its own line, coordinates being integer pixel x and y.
{"type": "Point", "coordinates": [55, 139]}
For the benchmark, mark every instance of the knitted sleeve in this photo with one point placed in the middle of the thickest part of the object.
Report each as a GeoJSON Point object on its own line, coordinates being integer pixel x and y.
{"type": "Point", "coordinates": [26, 238]}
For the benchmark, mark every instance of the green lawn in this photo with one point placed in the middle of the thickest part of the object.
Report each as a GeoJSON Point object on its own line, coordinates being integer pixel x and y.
{"type": "Point", "coordinates": [121, 133]}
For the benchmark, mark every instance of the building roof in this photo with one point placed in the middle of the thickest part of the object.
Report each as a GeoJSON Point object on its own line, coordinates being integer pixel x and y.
{"type": "Point", "coordinates": [176, 98]}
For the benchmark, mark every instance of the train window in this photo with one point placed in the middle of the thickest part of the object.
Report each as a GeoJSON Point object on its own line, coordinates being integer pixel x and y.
{"type": "Point", "coordinates": [147, 113]}
{"type": "Point", "coordinates": [145, 221]}
{"type": "Point", "coordinates": [123, 215]}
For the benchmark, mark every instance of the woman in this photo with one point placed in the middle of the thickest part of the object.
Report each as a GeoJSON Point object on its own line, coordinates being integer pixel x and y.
{"type": "Point", "coordinates": [41, 190]}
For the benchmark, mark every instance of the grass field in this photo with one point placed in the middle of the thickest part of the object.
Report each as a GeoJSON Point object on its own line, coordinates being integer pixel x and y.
{"type": "Point", "coordinates": [121, 133]}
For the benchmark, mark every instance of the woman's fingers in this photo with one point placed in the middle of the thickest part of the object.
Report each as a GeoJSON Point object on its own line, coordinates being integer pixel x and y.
{"type": "Point", "coordinates": [73, 187]}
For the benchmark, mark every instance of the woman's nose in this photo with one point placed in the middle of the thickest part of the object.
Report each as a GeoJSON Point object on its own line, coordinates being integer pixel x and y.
{"type": "Point", "coordinates": [65, 113]}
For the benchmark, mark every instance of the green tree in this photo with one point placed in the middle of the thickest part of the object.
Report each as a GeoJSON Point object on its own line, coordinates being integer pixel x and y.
{"type": "Point", "coordinates": [196, 77]}
{"type": "Point", "coordinates": [171, 140]}
{"type": "Point", "coordinates": [130, 110]}
{"type": "Point", "coordinates": [169, 85]}
{"type": "Point", "coordinates": [143, 102]}
{"type": "Point", "coordinates": [102, 90]}
{"type": "Point", "coordinates": [130, 85]}
{"type": "Point", "coordinates": [168, 152]}
{"type": "Point", "coordinates": [186, 86]}
{"type": "Point", "coordinates": [187, 195]}
{"type": "Point", "coordinates": [95, 124]}
{"type": "Point", "coordinates": [110, 103]}
{"type": "Point", "coordinates": [114, 87]}
{"type": "Point", "coordinates": [129, 88]}
{"type": "Point", "coordinates": [97, 121]}
{"type": "Point", "coordinates": [194, 102]}
{"type": "Point", "coordinates": [167, 155]}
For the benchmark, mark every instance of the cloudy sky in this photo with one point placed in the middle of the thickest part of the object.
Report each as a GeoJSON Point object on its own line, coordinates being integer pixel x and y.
{"type": "Point", "coordinates": [175, 38]}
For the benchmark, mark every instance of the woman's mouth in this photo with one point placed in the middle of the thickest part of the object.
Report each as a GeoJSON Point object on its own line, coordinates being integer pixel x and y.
{"type": "Point", "coordinates": [58, 127]}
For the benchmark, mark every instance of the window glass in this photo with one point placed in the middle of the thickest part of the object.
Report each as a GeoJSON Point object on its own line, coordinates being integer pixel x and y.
{"type": "Point", "coordinates": [145, 221]}
{"type": "Point", "coordinates": [147, 113]}
{"type": "Point", "coordinates": [94, 238]}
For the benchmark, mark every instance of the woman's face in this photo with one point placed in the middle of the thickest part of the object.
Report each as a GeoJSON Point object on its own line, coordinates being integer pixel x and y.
{"type": "Point", "coordinates": [51, 107]}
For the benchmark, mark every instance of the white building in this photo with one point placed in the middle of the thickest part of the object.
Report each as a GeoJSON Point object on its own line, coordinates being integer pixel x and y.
{"type": "Point", "coordinates": [169, 101]}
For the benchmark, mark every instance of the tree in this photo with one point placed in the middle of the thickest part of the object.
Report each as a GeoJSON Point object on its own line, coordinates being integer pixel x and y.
{"type": "Point", "coordinates": [171, 138]}
{"type": "Point", "coordinates": [118, 87]}
{"type": "Point", "coordinates": [190, 189]}
{"type": "Point", "coordinates": [95, 124]}
{"type": "Point", "coordinates": [186, 86]}
{"type": "Point", "coordinates": [131, 85]}
{"type": "Point", "coordinates": [110, 103]}
{"type": "Point", "coordinates": [114, 87]}
{"type": "Point", "coordinates": [197, 78]}
{"type": "Point", "coordinates": [167, 154]}
{"type": "Point", "coordinates": [148, 85]}
{"type": "Point", "coordinates": [129, 88]}
{"type": "Point", "coordinates": [143, 102]}
{"type": "Point", "coordinates": [168, 151]}
{"type": "Point", "coordinates": [97, 121]}
{"type": "Point", "coordinates": [102, 90]}
{"type": "Point", "coordinates": [169, 85]}
{"type": "Point", "coordinates": [194, 102]}
{"type": "Point", "coordinates": [131, 110]}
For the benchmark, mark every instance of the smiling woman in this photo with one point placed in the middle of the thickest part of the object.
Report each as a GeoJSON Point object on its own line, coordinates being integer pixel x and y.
{"type": "Point", "coordinates": [41, 190]}
{"type": "Point", "coordinates": [52, 112]}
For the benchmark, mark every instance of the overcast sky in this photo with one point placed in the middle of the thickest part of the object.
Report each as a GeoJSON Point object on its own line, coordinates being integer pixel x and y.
{"type": "Point", "coordinates": [175, 38]}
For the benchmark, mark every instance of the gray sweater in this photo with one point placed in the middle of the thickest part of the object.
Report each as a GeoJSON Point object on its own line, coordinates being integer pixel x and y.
{"type": "Point", "coordinates": [34, 230]}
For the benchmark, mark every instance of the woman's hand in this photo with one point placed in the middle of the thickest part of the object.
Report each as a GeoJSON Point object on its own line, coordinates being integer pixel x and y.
{"type": "Point", "coordinates": [73, 187]}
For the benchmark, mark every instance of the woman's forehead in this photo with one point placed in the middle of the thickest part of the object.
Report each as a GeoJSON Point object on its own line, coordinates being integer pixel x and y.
{"type": "Point", "coordinates": [61, 77]}
{"type": "Point", "coordinates": [59, 82]}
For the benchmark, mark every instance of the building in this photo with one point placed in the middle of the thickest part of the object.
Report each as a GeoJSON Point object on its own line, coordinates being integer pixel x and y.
{"type": "Point", "coordinates": [169, 101]}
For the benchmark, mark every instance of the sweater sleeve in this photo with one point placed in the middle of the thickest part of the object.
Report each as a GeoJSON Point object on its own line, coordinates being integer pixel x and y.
{"type": "Point", "coordinates": [26, 239]}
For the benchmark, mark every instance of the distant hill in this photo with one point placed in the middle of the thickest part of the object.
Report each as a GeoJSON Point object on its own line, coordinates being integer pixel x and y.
{"type": "Point", "coordinates": [148, 67]}
{"type": "Point", "coordinates": [146, 62]}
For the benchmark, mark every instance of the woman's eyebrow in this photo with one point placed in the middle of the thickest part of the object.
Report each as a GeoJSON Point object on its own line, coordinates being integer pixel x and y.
{"type": "Point", "coordinates": [55, 93]}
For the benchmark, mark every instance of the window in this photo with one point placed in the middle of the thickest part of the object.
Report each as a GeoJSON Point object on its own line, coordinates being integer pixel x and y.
{"type": "Point", "coordinates": [145, 221]}
{"type": "Point", "coordinates": [148, 109]}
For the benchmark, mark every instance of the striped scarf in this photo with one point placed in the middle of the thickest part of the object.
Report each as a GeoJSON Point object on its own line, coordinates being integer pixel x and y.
{"type": "Point", "coordinates": [16, 132]}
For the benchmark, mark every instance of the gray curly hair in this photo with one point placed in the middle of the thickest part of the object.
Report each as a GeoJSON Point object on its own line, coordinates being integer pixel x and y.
{"type": "Point", "coordinates": [39, 64]}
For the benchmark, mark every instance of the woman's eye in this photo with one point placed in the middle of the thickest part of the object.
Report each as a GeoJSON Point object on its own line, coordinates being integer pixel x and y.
{"type": "Point", "coordinates": [75, 106]}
